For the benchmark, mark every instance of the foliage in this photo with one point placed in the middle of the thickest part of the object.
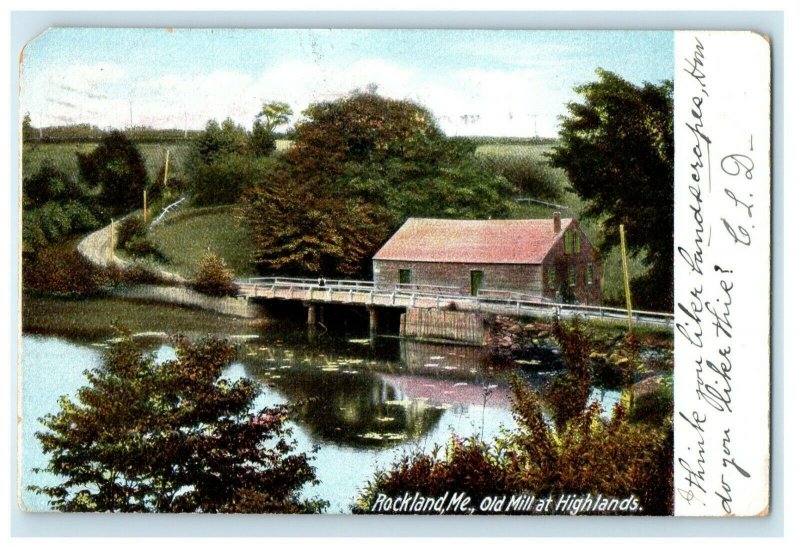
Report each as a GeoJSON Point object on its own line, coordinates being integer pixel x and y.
{"type": "Point", "coordinates": [467, 466]}
{"type": "Point", "coordinates": [214, 278]}
{"type": "Point", "coordinates": [578, 452]}
{"type": "Point", "coordinates": [358, 167]}
{"type": "Point", "coordinates": [218, 140]}
{"type": "Point", "coordinates": [117, 167]}
{"type": "Point", "coordinates": [55, 206]}
{"type": "Point", "coordinates": [61, 270]}
{"type": "Point", "coordinates": [87, 133]}
{"type": "Point", "coordinates": [49, 183]}
{"type": "Point", "coordinates": [132, 237]}
{"type": "Point", "coordinates": [263, 137]}
{"type": "Point", "coordinates": [28, 131]}
{"type": "Point", "coordinates": [274, 114]}
{"type": "Point", "coordinates": [224, 178]}
{"type": "Point", "coordinates": [172, 437]}
{"type": "Point", "coordinates": [528, 176]}
{"type": "Point", "coordinates": [617, 149]}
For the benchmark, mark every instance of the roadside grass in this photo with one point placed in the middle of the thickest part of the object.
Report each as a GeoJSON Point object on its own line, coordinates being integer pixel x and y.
{"type": "Point", "coordinates": [95, 317]}
{"type": "Point", "coordinates": [191, 234]}
{"type": "Point", "coordinates": [62, 155]}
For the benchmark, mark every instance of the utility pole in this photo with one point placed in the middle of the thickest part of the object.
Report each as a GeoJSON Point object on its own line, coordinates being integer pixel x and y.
{"type": "Point", "coordinates": [111, 243]}
{"type": "Point", "coordinates": [144, 209]}
{"type": "Point", "coordinates": [625, 276]}
{"type": "Point", "coordinates": [166, 169]}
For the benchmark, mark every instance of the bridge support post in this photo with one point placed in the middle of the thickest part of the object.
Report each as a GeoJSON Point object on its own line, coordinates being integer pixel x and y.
{"type": "Point", "coordinates": [311, 320]}
{"type": "Point", "coordinates": [373, 321]}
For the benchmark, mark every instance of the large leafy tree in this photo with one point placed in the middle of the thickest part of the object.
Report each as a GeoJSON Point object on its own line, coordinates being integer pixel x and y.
{"type": "Point", "coordinates": [270, 117]}
{"type": "Point", "coordinates": [616, 147]}
{"type": "Point", "coordinates": [222, 163]}
{"type": "Point", "coordinates": [116, 166]}
{"type": "Point", "coordinates": [172, 437]}
{"type": "Point", "coordinates": [358, 167]}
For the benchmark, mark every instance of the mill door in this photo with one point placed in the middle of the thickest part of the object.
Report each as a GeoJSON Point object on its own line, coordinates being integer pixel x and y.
{"type": "Point", "coordinates": [475, 281]}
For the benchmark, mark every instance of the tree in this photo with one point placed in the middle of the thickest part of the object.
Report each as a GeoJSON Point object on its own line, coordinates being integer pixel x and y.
{"type": "Point", "coordinates": [172, 437]}
{"type": "Point", "coordinates": [214, 278]}
{"type": "Point", "coordinates": [28, 132]}
{"type": "Point", "coordinates": [223, 180]}
{"type": "Point", "coordinates": [218, 140]}
{"type": "Point", "coordinates": [617, 150]}
{"type": "Point", "coordinates": [270, 117]}
{"type": "Point", "coordinates": [274, 114]}
{"type": "Point", "coordinates": [117, 167]}
{"type": "Point", "coordinates": [358, 167]}
{"type": "Point", "coordinates": [221, 163]}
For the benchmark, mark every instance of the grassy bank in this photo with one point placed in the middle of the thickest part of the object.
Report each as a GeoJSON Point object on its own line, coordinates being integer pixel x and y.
{"type": "Point", "coordinates": [95, 317]}
{"type": "Point", "coordinates": [185, 239]}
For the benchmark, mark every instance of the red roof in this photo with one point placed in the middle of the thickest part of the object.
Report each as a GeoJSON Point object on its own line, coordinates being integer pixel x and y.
{"type": "Point", "coordinates": [524, 241]}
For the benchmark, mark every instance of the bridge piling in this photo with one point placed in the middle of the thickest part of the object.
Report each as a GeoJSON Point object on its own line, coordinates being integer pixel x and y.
{"type": "Point", "coordinates": [373, 320]}
{"type": "Point", "coordinates": [311, 319]}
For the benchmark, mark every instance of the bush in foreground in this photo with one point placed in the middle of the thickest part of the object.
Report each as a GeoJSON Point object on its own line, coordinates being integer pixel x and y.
{"type": "Point", "coordinates": [172, 437]}
{"type": "Point", "coordinates": [563, 445]}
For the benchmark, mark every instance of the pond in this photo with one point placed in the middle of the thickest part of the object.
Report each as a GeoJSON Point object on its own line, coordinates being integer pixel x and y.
{"type": "Point", "coordinates": [364, 403]}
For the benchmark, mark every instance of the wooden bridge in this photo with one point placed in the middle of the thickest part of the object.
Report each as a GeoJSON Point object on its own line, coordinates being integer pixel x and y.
{"type": "Point", "coordinates": [313, 292]}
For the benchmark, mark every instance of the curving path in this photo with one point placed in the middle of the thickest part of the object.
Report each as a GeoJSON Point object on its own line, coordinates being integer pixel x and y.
{"type": "Point", "coordinates": [95, 249]}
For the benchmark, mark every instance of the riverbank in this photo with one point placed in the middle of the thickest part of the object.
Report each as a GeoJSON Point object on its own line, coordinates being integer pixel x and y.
{"type": "Point", "coordinates": [89, 318]}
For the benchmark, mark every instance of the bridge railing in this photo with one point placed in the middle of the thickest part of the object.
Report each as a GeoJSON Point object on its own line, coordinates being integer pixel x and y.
{"type": "Point", "coordinates": [423, 289]}
{"type": "Point", "coordinates": [306, 283]}
{"type": "Point", "coordinates": [403, 294]}
{"type": "Point", "coordinates": [503, 295]}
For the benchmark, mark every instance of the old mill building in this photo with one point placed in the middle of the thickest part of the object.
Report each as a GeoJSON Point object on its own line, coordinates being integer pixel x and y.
{"type": "Point", "coordinates": [542, 258]}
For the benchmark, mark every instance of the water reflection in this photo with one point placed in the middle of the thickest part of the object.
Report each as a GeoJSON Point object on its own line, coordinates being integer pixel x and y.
{"type": "Point", "coordinates": [363, 404]}
{"type": "Point", "coordinates": [346, 406]}
{"type": "Point", "coordinates": [381, 393]}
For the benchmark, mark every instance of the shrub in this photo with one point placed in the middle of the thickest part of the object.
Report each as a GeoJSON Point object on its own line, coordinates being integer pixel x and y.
{"type": "Point", "coordinates": [49, 183]}
{"type": "Point", "coordinates": [577, 452]}
{"type": "Point", "coordinates": [62, 270]}
{"type": "Point", "coordinates": [214, 278]}
{"type": "Point", "coordinates": [615, 458]}
{"type": "Point", "coordinates": [129, 228]}
{"type": "Point", "coordinates": [132, 237]}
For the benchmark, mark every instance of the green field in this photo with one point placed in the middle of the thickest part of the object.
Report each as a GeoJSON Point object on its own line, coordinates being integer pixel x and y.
{"type": "Point", "coordinates": [63, 156]}
{"type": "Point", "coordinates": [187, 237]}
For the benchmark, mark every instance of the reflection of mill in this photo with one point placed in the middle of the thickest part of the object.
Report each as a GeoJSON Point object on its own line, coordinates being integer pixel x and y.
{"type": "Point", "coordinates": [353, 407]}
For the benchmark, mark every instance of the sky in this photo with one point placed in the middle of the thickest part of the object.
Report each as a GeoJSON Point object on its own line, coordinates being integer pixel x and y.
{"type": "Point", "coordinates": [493, 83]}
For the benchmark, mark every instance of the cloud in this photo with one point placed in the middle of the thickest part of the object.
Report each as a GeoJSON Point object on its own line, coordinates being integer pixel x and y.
{"type": "Point", "coordinates": [510, 101]}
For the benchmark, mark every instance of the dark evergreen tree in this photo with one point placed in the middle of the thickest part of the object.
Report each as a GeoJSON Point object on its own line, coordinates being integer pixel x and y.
{"type": "Point", "coordinates": [617, 149]}
{"type": "Point", "coordinates": [117, 168]}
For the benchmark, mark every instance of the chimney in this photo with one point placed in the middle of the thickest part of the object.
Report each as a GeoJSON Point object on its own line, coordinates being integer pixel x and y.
{"type": "Point", "coordinates": [556, 222]}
